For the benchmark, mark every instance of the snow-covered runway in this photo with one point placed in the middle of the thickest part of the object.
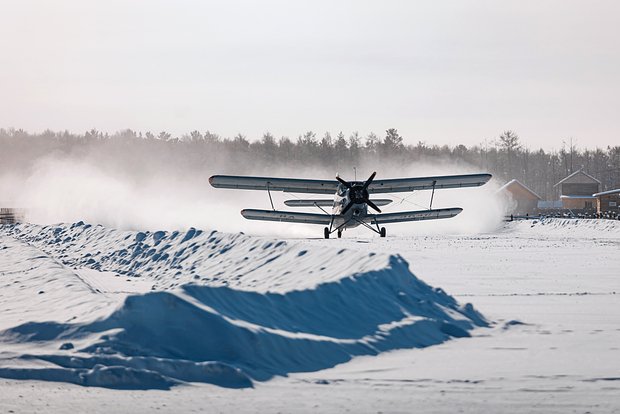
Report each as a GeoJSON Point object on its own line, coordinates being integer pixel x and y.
{"type": "Point", "coordinates": [350, 325]}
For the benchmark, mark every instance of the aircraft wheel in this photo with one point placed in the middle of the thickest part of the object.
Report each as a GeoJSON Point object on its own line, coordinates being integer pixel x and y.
{"type": "Point", "coordinates": [326, 233]}
{"type": "Point", "coordinates": [339, 233]}
{"type": "Point", "coordinates": [383, 232]}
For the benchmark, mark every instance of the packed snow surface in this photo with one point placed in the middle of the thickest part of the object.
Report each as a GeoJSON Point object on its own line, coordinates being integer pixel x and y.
{"type": "Point", "coordinates": [71, 300]}
{"type": "Point", "coordinates": [94, 306]}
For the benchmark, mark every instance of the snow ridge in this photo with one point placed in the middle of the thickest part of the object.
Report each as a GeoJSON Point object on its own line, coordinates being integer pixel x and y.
{"type": "Point", "coordinates": [223, 309]}
{"type": "Point", "coordinates": [592, 228]}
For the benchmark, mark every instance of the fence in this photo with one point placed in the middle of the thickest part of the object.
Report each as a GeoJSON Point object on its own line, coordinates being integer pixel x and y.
{"type": "Point", "coordinates": [567, 214]}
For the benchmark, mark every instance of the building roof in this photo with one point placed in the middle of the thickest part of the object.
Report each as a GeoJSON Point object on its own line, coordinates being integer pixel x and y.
{"type": "Point", "coordinates": [617, 190]}
{"type": "Point", "coordinates": [520, 184]}
{"type": "Point", "coordinates": [577, 197]}
{"type": "Point", "coordinates": [580, 171]}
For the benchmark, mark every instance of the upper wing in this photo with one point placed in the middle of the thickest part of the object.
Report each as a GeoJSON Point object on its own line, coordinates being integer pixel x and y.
{"type": "Point", "coordinates": [440, 213]}
{"type": "Point", "coordinates": [290, 185]}
{"type": "Point", "coordinates": [309, 203]}
{"type": "Point", "coordinates": [396, 185]}
{"type": "Point", "coordinates": [287, 216]}
{"type": "Point", "coordinates": [393, 185]}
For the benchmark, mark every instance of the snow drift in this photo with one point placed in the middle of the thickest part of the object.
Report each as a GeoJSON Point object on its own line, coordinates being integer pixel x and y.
{"type": "Point", "coordinates": [568, 227]}
{"type": "Point", "coordinates": [226, 309]}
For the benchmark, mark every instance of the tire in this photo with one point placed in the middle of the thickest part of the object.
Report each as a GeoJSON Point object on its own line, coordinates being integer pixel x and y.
{"type": "Point", "coordinates": [383, 232]}
{"type": "Point", "coordinates": [339, 233]}
{"type": "Point", "coordinates": [326, 233]}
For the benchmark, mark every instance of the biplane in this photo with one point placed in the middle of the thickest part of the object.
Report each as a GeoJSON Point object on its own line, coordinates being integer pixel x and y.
{"type": "Point", "coordinates": [349, 206]}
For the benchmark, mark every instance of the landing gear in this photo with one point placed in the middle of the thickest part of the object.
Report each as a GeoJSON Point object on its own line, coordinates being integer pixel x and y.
{"type": "Point", "coordinates": [339, 233]}
{"type": "Point", "coordinates": [382, 232]}
{"type": "Point", "coordinates": [326, 232]}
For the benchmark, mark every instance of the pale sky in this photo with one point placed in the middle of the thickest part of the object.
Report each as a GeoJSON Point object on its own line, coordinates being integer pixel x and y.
{"type": "Point", "coordinates": [444, 72]}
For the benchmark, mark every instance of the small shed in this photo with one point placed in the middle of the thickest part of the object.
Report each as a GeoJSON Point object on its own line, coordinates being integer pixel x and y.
{"type": "Point", "coordinates": [608, 201]}
{"type": "Point", "coordinates": [576, 191]}
{"type": "Point", "coordinates": [520, 198]}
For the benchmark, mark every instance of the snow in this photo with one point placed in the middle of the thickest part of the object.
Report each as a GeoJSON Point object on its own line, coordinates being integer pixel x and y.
{"type": "Point", "coordinates": [572, 228]}
{"type": "Point", "coordinates": [237, 323]}
{"type": "Point", "coordinates": [227, 309]}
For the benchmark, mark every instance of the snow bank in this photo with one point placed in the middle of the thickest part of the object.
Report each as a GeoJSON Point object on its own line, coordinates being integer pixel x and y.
{"type": "Point", "coordinates": [99, 375]}
{"type": "Point", "coordinates": [568, 227]}
{"type": "Point", "coordinates": [171, 259]}
{"type": "Point", "coordinates": [222, 309]}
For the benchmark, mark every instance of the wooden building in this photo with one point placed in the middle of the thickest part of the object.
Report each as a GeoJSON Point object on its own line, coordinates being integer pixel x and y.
{"type": "Point", "coordinates": [608, 201]}
{"type": "Point", "coordinates": [11, 215]}
{"type": "Point", "coordinates": [576, 191]}
{"type": "Point", "coordinates": [519, 198]}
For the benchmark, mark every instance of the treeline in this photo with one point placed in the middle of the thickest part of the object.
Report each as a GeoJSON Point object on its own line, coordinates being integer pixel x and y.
{"type": "Point", "coordinates": [505, 157]}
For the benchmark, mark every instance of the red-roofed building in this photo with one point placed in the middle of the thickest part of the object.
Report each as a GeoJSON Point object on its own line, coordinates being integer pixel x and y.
{"type": "Point", "coordinates": [519, 198]}
{"type": "Point", "coordinates": [576, 191]}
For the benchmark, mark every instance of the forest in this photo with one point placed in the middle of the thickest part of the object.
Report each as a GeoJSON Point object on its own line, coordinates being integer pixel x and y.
{"type": "Point", "coordinates": [505, 157]}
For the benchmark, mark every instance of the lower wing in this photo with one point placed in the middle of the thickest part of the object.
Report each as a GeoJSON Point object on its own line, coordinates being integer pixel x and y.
{"type": "Point", "coordinates": [440, 213]}
{"type": "Point", "coordinates": [286, 216]}
{"type": "Point", "coordinates": [329, 203]}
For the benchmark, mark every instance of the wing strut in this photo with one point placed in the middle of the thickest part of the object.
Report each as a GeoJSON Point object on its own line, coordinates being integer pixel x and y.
{"type": "Point", "coordinates": [432, 195]}
{"type": "Point", "coordinates": [368, 226]}
{"type": "Point", "coordinates": [270, 199]}
{"type": "Point", "coordinates": [322, 209]}
{"type": "Point", "coordinates": [331, 223]}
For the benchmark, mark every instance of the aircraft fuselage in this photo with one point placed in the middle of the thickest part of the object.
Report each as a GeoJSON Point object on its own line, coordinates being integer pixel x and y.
{"type": "Point", "coordinates": [353, 217]}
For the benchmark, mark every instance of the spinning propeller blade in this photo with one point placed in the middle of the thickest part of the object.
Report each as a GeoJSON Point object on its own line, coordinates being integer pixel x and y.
{"type": "Point", "coordinates": [367, 183]}
{"type": "Point", "coordinates": [373, 205]}
{"type": "Point", "coordinates": [347, 208]}
{"type": "Point", "coordinates": [343, 182]}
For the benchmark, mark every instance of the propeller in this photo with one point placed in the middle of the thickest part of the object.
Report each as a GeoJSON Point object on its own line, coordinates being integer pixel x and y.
{"type": "Point", "coordinates": [358, 194]}
{"type": "Point", "coordinates": [343, 182]}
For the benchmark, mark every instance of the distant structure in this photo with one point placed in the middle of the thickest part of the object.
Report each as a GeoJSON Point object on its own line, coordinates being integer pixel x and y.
{"type": "Point", "coordinates": [521, 200]}
{"type": "Point", "coordinates": [11, 215]}
{"type": "Point", "coordinates": [576, 191]}
{"type": "Point", "coordinates": [608, 202]}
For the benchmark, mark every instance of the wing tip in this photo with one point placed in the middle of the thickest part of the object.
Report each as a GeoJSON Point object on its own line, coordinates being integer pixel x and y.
{"type": "Point", "coordinates": [249, 211]}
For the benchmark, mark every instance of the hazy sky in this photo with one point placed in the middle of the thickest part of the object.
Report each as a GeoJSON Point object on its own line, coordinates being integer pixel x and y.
{"type": "Point", "coordinates": [438, 71]}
